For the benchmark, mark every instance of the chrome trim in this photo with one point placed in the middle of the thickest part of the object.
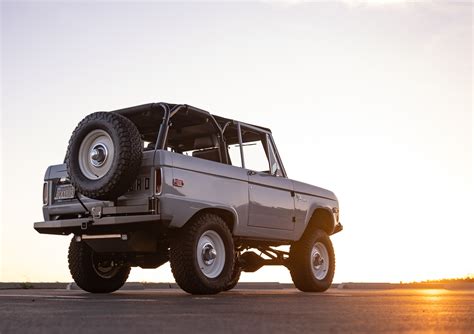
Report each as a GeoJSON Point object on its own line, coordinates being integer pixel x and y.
{"type": "Point", "coordinates": [101, 236]}
{"type": "Point", "coordinates": [98, 155]}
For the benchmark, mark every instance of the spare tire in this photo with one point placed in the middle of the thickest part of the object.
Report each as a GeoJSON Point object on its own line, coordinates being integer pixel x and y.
{"type": "Point", "coordinates": [104, 155]}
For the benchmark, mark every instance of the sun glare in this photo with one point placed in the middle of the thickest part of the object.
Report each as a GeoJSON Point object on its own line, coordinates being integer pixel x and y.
{"type": "Point", "coordinates": [433, 292]}
{"type": "Point", "coordinates": [432, 295]}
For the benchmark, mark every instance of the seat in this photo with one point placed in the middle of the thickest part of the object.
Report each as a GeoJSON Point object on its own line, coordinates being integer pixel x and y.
{"type": "Point", "coordinates": [211, 154]}
{"type": "Point", "coordinates": [207, 148]}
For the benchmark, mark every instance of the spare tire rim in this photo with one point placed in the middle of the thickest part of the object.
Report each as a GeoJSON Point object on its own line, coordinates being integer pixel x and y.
{"type": "Point", "coordinates": [96, 154]}
{"type": "Point", "coordinates": [210, 253]}
{"type": "Point", "coordinates": [319, 260]}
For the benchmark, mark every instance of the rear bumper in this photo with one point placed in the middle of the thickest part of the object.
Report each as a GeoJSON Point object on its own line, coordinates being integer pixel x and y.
{"type": "Point", "coordinates": [100, 225]}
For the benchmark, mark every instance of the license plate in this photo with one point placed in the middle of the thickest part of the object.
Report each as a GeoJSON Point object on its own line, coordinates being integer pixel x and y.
{"type": "Point", "coordinates": [65, 191]}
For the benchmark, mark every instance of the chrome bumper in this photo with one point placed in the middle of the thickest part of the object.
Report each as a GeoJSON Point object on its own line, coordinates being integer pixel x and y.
{"type": "Point", "coordinates": [90, 224]}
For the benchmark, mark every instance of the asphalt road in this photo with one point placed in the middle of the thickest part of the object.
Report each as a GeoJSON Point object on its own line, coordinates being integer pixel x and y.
{"type": "Point", "coordinates": [238, 311]}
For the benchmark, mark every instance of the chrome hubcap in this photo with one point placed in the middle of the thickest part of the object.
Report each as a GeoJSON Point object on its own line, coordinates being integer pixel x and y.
{"type": "Point", "coordinates": [318, 261]}
{"type": "Point", "coordinates": [98, 155]}
{"type": "Point", "coordinates": [210, 253]}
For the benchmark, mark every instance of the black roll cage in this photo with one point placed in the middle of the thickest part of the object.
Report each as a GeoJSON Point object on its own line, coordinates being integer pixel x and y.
{"type": "Point", "coordinates": [220, 123]}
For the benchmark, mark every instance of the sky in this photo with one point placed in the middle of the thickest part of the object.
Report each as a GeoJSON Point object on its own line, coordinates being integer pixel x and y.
{"type": "Point", "coordinates": [372, 100]}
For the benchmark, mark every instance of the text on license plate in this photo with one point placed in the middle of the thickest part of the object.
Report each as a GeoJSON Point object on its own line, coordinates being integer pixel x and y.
{"type": "Point", "coordinates": [64, 192]}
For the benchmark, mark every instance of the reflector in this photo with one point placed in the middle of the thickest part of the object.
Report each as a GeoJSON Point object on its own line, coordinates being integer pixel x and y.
{"type": "Point", "coordinates": [158, 180]}
{"type": "Point", "coordinates": [45, 193]}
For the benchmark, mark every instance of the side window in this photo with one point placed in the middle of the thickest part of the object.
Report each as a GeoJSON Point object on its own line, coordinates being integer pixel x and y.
{"type": "Point", "coordinates": [257, 147]}
{"type": "Point", "coordinates": [255, 156]}
{"type": "Point", "coordinates": [231, 135]}
{"type": "Point", "coordinates": [275, 168]}
{"type": "Point", "coordinates": [234, 155]}
{"type": "Point", "coordinates": [254, 146]}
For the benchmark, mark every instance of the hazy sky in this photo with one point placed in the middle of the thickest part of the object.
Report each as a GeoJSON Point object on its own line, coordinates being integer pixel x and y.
{"type": "Point", "coordinates": [373, 101]}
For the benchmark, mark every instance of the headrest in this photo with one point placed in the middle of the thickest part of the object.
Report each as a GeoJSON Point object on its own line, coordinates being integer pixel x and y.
{"type": "Point", "coordinates": [205, 142]}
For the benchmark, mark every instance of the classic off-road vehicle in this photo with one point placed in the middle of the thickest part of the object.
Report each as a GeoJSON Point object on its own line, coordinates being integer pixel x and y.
{"type": "Point", "coordinates": [162, 182]}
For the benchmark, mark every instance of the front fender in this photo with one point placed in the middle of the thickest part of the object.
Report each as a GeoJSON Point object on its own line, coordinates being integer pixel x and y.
{"type": "Point", "coordinates": [319, 215]}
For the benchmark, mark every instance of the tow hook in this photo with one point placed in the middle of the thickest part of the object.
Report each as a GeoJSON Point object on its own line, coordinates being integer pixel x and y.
{"type": "Point", "coordinates": [96, 212]}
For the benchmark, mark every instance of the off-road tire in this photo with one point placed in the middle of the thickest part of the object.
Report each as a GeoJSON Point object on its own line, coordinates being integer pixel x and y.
{"type": "Point", "coordinates": [301, 265]}
{"type": "Point", "coordinates": [183, 255]}
{"type": "Point", "coordinates": [126, 162]}
{"type": "Point", "coordinates": [235, 277]}
{"type": "Point", "coordinates": [80, 259]}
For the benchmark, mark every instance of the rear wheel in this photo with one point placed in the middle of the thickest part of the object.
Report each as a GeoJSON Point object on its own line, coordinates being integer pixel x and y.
{"type": "Point", "coordinates": [312, 262]}
{"type": "Point", "coordinates": [94, 273]}
{"type": "Point", "coordinates": [202, 255]}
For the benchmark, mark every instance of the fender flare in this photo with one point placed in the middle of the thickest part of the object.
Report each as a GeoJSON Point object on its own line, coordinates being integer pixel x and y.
{"type": "Point", "coordinates": [326, 221]}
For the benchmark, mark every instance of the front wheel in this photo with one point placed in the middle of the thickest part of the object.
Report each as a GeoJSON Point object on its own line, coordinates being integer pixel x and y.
{"type": "Point", "coordinates": [202, 255]}
{"type": "Point", "coordinates": [312, 262]}
{"type": "Point", "coordinates": [92, 272]}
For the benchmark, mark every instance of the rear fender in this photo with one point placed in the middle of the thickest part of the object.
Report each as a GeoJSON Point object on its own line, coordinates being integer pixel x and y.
{"type": "Point", "coordinates": [184, 209]}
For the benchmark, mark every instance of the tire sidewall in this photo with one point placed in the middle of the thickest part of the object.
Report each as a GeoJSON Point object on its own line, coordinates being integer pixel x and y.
{"type": "Point", "coordinates": [235, 277]}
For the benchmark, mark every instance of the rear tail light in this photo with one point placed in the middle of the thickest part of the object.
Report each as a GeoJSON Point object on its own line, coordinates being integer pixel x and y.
{"type": "Point", "coordinates": [158, 181]}
{"type": "Point", "coordinates": [45, 193]}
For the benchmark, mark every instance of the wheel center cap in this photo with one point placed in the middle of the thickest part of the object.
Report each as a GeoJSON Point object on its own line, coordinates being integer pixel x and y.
{"type": "Point", "coordinates": [209, 254]}
{"type": "Point", "coordinates": [98, 155]}
{"type": "Point", "coordinates": [317, 261]}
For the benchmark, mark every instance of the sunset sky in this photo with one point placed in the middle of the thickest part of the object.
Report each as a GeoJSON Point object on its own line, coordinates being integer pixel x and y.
{"type": "Point", "coordinates": [372, 100]}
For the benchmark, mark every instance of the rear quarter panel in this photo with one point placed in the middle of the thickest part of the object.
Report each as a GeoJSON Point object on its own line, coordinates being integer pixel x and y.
{"type": "Point", "coordinates": [206, 184]}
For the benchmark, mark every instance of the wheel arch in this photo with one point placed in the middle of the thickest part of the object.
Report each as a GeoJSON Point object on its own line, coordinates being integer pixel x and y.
{"type": "Point", "coordinates": [321, 218]}
{"type": "Point", "coordinates": [229, 217]}
{"type": "Point", "coordinates": [183, 210]}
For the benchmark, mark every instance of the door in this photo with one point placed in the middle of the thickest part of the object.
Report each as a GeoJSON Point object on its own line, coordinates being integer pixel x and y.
{"type": "Point", "coordinates": [271, 202]}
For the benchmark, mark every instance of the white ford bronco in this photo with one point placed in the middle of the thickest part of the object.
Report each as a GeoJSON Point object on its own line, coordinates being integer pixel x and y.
{"type": "Point", "coordinates": [163, 182]}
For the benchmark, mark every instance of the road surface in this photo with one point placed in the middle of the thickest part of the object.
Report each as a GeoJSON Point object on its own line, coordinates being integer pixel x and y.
{"type": "Point", "coordinates": [237, 311]}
